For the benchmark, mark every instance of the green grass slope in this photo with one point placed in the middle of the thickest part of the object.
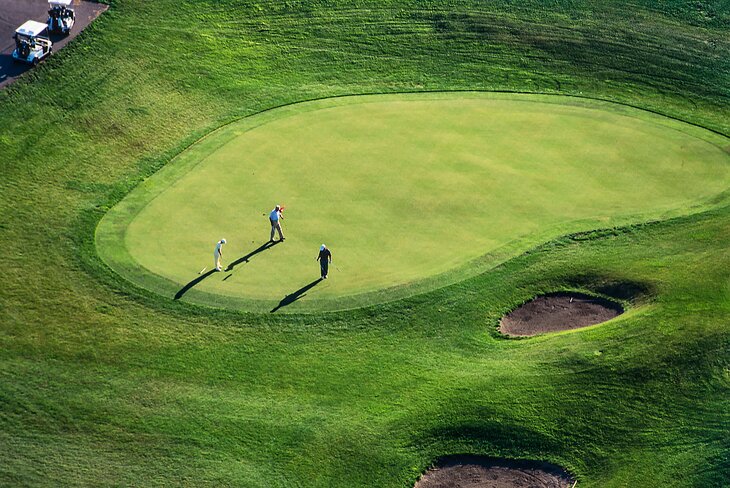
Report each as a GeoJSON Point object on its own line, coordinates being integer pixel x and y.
{"type": "Point", "coordinates": [104, 383]}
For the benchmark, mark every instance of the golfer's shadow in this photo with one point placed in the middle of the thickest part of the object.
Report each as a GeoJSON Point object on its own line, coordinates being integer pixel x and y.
{"type": "Point", "coordinates": [261, 248]}
{"type": "Point", "coordinates": [194, 282]}
{"type": "Point", "coordinates": [293, 297]}
{"type": "Point", "coordinates": [244, 259]}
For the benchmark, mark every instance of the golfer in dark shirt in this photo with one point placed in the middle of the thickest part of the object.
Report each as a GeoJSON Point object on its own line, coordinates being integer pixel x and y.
{"type": "Point", "coordinates": [324, 258]}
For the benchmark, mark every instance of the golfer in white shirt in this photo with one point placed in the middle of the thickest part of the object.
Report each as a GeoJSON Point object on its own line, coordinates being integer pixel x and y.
{"type": "Point", "coordinates": [218, 253]}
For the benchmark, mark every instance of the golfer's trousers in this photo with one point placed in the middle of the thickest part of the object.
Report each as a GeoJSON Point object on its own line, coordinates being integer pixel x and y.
{"type": "Point", "coordinates": [275, 225]}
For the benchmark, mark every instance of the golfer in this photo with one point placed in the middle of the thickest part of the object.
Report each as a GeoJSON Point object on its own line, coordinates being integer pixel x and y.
{"type": "Point", "coordinates": [218, 253]}
{"type": "Point", "coordinates": [324, 258]}
{"type": "Point", "coordinates": [275, 217]}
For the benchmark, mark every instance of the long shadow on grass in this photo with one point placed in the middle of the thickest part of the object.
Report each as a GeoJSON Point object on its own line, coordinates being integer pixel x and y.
{"type": "Point", "coordinates": [293, 297]}
{"type": "Point", "coordinates": [244, 259]}
{"type": "Point", "coordinates": [194, 282]}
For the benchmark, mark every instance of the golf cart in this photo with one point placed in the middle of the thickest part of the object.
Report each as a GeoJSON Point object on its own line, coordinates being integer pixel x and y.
{"type": "Point", "coordinates": [31, 42]}
{"type": "Point", "coordinates": [61, 17]}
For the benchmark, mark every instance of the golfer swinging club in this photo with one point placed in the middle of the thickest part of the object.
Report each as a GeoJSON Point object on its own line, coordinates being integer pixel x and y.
{"type": "Point", "coordinates": [275, 218]}
{"type": "Point", "coordinates": [324, 258]}
{"type": "Point", "coordinates": [218, 253]}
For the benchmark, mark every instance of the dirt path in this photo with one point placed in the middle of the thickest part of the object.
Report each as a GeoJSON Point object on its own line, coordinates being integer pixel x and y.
{"type": "Point", "coordinates": [481, 472]}
{"type": "Point", "coordinates": [13, 13]}
{"type": "Point", "coordinates": [558, 311]}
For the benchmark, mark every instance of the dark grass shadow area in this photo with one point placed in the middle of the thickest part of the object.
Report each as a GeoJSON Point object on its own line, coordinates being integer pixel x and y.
{"type": "Point", "coordinates": [293, 297]}
{"type": "Point", "coordinates": [244, 259]}
{"type": "Point", "coordinates": [621, 289]}
{"type": "Point", "coordinates": [192, 283]}
{"type": "Point", "coordinates": [478, 432]}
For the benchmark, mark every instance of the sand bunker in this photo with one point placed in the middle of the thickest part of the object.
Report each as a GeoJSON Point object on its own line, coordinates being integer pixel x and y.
{"type": "Point", "coordinates": [482, 472]}
{"type": "Point", "coordinates": [558, 311]}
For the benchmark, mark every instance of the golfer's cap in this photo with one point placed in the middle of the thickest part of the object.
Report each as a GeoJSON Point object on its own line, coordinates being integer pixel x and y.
{"type": "Point", "coordinates": [223, 241]}
{"type": "Point", "coordinates": [322, 247]}
{"type": "Point", "coordinates": [278, 207]}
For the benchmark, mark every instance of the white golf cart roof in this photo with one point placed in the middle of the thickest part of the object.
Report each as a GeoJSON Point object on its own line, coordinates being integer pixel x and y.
{"type": "Point", "coordinates": [31, 28]}
{"type": "Point", "coordinates": [63, 3]}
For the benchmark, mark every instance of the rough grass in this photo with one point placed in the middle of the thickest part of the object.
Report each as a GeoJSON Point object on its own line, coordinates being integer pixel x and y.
{"type": "Point", "coordinates": [102, 383]}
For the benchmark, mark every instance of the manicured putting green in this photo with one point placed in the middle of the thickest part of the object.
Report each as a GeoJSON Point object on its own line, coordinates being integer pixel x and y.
{"type": "Point", "coordinates": [410, 192]}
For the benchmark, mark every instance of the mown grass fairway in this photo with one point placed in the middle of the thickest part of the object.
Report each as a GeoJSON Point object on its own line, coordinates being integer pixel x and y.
{"type": "Point", "coordinates": [105, 383]}
{"type": "Point", "coordinates": [402, 188]}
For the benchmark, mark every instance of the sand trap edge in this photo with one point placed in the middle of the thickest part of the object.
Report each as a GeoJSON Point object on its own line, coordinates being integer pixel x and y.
{"type": "Point", "coordinates": [575, 310]}
{"type": "Point", "coordinates": [550, 473]}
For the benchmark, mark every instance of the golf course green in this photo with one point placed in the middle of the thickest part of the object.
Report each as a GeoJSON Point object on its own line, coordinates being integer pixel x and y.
{"type": "Point", "coordinates": [410, 192]}
{"type": "Point", "coordinates": [460, 158]}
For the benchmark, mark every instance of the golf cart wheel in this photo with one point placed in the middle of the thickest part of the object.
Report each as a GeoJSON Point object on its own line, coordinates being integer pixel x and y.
{"type": "Point", "coordinates": [35, 61]}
